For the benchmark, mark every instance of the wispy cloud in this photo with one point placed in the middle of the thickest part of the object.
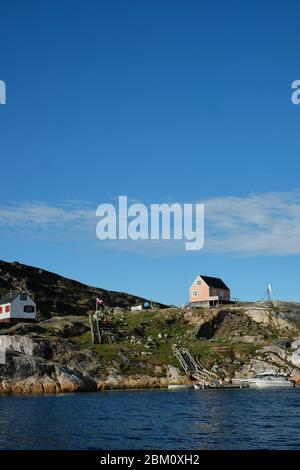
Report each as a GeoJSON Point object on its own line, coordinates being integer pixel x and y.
{"type": "Point", "coordinates": [264, 223]}
{"type": "Point", "coordinates": [41, 219]}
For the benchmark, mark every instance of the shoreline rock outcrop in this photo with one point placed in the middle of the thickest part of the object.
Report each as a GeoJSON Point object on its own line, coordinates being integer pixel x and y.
{"type": "Point", "coordinates": [29, 367]}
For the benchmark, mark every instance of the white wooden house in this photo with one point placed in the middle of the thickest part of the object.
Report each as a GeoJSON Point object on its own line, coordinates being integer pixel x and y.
{"type": "Point", "coordinates": [17, 305]}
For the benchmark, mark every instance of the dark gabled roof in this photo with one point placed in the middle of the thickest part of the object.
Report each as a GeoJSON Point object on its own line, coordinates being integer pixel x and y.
{"type": "Point", "coordinates": [215, 282]}
{"type": "Point", "coordinates": [10, 296]}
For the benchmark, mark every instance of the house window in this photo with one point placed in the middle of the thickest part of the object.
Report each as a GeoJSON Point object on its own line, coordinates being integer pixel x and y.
{"type": "Point", "coordinates": [198, 283]}
{"type": "Point", "coordinates": [23, 296]}
{"type": "Point", "coordinates": [28, 308]}
{"type": "Point", "coordinates": [221, 293]}
{"type": "Point", "coordinates": [195, 293]}
{"type": "Point", "coordinates": [7, 308]}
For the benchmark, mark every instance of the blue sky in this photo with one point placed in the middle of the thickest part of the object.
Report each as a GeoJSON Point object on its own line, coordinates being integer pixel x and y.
{"type": "Point", "coordinates": [162, 101]}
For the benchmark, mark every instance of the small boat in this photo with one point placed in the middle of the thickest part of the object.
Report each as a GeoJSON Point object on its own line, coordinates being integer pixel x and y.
{"type": "Point", "coordinates": [265, 381]}
{"type": "Point", "coordinates": [181, 387]}
{"type": "Point", "coordinates": [202, 386]}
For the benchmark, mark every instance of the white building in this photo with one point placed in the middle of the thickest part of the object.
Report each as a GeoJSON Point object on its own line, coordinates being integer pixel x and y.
{"type": "Point", "coordinates": [17, 305]}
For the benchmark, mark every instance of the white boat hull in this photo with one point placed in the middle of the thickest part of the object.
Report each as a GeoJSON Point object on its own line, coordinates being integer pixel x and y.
{"type": "Point", "coordinates": [181, 387]}
{"type": "Point", "coordinates": [265, 382]}
{"type": "Point", "coordinates": [262, 384]}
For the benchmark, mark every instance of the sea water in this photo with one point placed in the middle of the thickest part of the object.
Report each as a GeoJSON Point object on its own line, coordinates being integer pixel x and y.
{"type": "Point", "coordinates": [153, 419]}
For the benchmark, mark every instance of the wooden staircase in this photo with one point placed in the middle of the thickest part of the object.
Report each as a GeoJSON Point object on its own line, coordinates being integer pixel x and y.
{"type": "Point", "coordinates": [95, 330]}
{"type": "Point", "coordinates": [196, 370]}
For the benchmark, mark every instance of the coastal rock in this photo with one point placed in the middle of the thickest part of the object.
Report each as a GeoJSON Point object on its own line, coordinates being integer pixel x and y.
{"type": "Point", "coordinates": [26, 345]}
{"type": "Point", "coordinates": [173, 373]}
{"type": "Point", "coordinates": [283, 343]}
{"type": "Point", "coordinates": [69, 329]}
{"type": "Point", "coordinates": [269, 317]}
{"type": "Point", "coordinates": [138, 382]}
{"type": "Point", "coordinates": [73, 382]}
{"type": "Point", "coordinates": [295, 344]}
{"type": "Point", "coordinates": [275, 350]}
{"type": "Point", "coordinates": [22, 374]}
{"type": "Point", "coordinates": [257, 367]}
{"type": "Point", "coordinates": [296, 358]}
{"type": "Point", "coordinates": [68, 354]}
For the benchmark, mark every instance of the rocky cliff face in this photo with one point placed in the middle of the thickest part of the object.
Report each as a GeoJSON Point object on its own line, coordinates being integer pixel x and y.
{"type": "Point", "coordinates": [57, 295]}
{"type": "Point", "coordinates": [34, 364]}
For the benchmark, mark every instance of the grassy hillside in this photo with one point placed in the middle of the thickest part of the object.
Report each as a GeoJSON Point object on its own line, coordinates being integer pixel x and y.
{"type": "Point", "coordinates": [145, 339]}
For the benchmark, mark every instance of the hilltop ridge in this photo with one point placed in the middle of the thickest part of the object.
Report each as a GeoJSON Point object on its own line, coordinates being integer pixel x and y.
{"type": "Point", "coordinates": [56, 295]}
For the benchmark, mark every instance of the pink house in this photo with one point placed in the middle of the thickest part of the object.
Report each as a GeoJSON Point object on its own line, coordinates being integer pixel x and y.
{"type": "Point", "coordinates": [208, 291]}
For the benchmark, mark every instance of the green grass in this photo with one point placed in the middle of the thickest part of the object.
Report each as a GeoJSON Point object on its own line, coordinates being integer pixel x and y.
{"type": "Point", "coordinates": [153, 323]}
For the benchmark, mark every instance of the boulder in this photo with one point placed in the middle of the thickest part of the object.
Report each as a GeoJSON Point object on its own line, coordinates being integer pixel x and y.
{"type": "Point", "coordinates": [296, 358]}
{"type": "Point", "coordinates": [22, 374]}
{"type": "Point", "coordinates": [69, 329]}
{"type": "Point", "coordinates": [173, 373]}
{"type": "Point", "coordinates": [73, 382]}
{"type": "Point", "coordinates": [268, 317]}
{"type": "Point", "coordinates": [30, 346]}
{"type": "Point", "coordinates": [283, 343]}
{"type": "Point", "coordinates": [256, 366]}
{"type": "Point", "coordinates": [248, 339]}
{"type": "Point", "coordinates": [295, 344]}
{"type": "Point", "coordinates": [277, 350]}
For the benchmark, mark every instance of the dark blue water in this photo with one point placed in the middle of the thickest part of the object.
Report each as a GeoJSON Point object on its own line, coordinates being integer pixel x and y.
{"type": "Point", "coordinates": [205, 419]}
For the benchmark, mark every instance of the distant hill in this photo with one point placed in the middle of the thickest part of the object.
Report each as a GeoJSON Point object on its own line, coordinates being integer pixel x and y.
{"type": "Point", "coordinates": [57, 295]}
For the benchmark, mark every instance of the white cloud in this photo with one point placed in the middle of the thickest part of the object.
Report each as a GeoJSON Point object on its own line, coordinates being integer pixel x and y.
{"type": "Point", "coordinates": [40, 218]}
{"type": "Point", "coordinates": [264, 223]}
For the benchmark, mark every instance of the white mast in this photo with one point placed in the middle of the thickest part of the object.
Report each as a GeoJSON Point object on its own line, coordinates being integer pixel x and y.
{"type": "Point", "coordinates": [269, 292]}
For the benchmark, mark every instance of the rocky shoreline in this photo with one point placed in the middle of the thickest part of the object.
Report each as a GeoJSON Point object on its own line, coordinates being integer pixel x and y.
{"type": "Point", "coordinates": [36, 365]}
{"type": "Point", "coordinates": [57, 355]}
